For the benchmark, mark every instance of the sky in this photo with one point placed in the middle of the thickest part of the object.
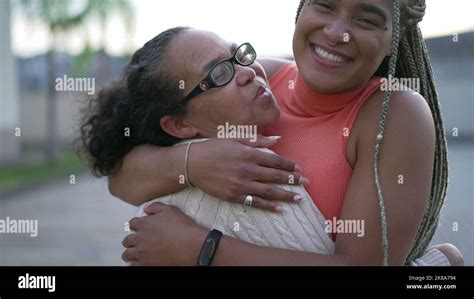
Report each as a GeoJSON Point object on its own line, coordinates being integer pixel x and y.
{"type": "Point", "coordinates": [267, 24]}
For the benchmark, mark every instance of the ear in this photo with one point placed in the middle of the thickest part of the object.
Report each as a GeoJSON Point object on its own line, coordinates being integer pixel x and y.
{"type": "Point", "coordinates": [175, 126]}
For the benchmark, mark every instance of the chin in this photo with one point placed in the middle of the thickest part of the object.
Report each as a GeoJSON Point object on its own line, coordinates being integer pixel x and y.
{"type": "Point", "coordinates": [325, 83]}
{"type": "Point", "coordinates": [268, 119]}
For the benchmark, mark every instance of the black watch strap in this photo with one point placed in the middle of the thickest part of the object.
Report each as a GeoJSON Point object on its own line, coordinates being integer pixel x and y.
{"type": "Point", "coordinates": [209, 248]}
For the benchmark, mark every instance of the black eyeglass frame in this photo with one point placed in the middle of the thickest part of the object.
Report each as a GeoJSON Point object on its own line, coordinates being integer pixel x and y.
{"type": "Point", "coordinates": [208, 83]}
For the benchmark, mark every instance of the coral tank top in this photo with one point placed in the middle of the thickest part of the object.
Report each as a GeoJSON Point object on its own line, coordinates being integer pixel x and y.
{"type": "Point", "coordinates": [315, 129]}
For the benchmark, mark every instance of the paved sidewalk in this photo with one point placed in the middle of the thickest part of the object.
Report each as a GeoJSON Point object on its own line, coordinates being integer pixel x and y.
{"type": "Point", "coordinates": [78, 225]}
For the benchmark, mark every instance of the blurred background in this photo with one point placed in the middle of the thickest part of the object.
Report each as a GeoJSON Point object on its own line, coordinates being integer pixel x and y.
{"type": "Point", "coordinates": [42, 179]}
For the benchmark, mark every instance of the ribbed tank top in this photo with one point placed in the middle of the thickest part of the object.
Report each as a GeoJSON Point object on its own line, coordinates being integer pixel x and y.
{"type": "Point", "coordinates": [315, 129]}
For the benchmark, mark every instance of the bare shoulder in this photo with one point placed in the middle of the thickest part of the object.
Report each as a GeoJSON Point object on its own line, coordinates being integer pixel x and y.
{"type": "Point", "coordinates": [409, 116]}
{"type": "Point", "coordinates": [272, 65]}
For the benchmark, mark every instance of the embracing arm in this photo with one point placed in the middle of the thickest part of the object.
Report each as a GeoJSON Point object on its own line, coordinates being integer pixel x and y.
{"type": "Point", "coordinates": [132, 180]}
{"type": "Point", "coordinates": [167, 237]}
{"type": "Point", "coordinates": [234, 252]}
{"type": "Point", "coordinates": [407, 150]}
{"type": "Point", "coordinates": [224, 168]}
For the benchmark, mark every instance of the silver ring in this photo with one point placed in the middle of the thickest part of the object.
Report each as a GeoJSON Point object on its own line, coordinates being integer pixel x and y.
{"type": "Point", "coordinates": [248, 201]}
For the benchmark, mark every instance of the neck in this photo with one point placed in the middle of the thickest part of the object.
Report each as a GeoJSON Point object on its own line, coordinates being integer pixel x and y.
{"type": "Point", "coordinates": [317, 103]}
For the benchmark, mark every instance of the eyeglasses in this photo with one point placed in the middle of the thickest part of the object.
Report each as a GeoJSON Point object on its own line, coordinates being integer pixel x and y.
{"type": "Point", "coordinates": [223, 72]}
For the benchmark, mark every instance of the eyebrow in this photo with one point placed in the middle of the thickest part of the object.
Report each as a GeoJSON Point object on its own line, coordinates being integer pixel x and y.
{"type": "Point", "coordinates": [211, 63]}
{"type": "Point", "coordinates": [374, 9]}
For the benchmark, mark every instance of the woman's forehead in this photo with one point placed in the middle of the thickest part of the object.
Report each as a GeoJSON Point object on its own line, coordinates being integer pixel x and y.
{"type": "Point", "coordinates": [195, 51]}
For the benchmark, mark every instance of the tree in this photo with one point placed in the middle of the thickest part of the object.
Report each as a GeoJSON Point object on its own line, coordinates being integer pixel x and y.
{"type": "Point", "coordinates": [62, 16]}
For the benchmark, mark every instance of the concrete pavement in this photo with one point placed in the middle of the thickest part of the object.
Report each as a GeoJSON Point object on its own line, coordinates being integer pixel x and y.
{"type": "Point", "coordinates": [78, 225]}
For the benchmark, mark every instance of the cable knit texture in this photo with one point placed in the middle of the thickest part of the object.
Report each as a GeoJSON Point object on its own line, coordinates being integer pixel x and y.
{"type": "Point", "coordinates": [432, 257]}
{"type": "Point", "coordinates": [299, 227]}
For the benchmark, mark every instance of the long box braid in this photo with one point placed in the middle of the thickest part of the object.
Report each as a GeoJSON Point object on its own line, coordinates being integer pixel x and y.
{"type": "Point", "coordinates": [410, 59]}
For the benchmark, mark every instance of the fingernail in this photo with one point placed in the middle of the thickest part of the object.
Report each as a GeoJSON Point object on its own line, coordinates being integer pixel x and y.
{"type": "Point", "coordinates": [304, 181]}
{"type": "Point", "coordinates": [298, 168]}
{"type": "Point", "coordinates": [275, 137]}
{"type": "Point", "coordinates": [298, 198]}
{"type": "Point", "coordinates": [280, 209]}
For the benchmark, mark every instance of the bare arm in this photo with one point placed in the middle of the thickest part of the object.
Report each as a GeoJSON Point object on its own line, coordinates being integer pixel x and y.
{"type": "Point", "coordinates": [148, 172]}
{"type": "Point", "coordinates": [408, 149]}
{"type": "Point", "coordinates": [226, 169]}
{"type": "Point", "coordinates": [170, 238]}
{"type": "Point", "coordinates": [234, 252]}
{"type": "Point", "coordinates": [406, 169]}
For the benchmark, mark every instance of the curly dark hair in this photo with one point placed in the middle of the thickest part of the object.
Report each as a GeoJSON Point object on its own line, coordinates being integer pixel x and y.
{"type": "Point", "coordinates": [127, 112]}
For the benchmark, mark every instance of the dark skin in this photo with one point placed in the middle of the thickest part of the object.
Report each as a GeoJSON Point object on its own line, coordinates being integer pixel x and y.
{"type": "Point", "coordinates": [168, 237]}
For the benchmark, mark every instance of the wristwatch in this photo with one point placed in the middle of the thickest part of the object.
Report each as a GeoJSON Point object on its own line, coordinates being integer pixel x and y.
{"type": "Point", "coordinates": [209, 248]}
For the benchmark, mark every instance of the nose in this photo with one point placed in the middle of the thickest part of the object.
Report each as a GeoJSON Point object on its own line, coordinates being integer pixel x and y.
{"type": "Point", "coordinates": [337, 32]}
{"type": "Point", "coordinates": [244, 74]}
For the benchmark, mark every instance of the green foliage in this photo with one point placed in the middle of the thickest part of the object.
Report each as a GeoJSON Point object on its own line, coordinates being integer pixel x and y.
{"type": "Point", "coordinates": [59, 15]}
{"type": "Point", "coordinates": [83, 62]}
{"type": "Point", "coordinates": [24, 174]}
{"type": "Point", "coordinates": [63, 15]}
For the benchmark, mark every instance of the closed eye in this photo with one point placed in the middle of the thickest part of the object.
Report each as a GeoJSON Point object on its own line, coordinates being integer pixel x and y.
{"type": "Point", "coordinates": [324, 5]}
{"type": "Point", "coordinates": [368, 21]}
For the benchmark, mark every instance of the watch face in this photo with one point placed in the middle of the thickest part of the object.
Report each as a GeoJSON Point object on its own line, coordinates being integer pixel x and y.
{"type": "Point", "coordinates": [207, 252]}
{"type": "Point", "coordinates": [208, 248]}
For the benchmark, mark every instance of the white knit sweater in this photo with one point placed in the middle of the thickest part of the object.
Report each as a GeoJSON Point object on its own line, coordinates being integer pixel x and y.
{"type": "Point", "coordinates": [299, 227]}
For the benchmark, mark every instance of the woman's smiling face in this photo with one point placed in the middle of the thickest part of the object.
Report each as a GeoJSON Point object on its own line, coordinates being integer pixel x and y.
{"type": "Point", "coordinates": [339, 44]}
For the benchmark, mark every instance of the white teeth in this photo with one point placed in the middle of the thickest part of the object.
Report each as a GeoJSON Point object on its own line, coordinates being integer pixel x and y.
{"type": "Point", "coordinates": [328, 56]}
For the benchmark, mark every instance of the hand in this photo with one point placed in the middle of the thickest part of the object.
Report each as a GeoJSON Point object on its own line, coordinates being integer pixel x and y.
{"type": "Point", "coordinates": [232, 169]}
{"type": "Point", "coordinates": [166, 237]}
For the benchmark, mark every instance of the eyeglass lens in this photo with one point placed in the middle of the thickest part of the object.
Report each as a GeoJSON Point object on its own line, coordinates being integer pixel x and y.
{"type": "Point", "coordinates": [224, 71]}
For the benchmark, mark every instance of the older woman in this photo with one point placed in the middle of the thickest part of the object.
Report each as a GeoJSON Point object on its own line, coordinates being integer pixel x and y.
{"type": "Point", "coordinates": [243, 103]}
{"type": "Point", "coordinates": [332, 93]}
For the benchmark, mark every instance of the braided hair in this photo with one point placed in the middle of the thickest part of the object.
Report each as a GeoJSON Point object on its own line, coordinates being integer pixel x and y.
{"type": "Point", "coordinates": [410, 59]}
